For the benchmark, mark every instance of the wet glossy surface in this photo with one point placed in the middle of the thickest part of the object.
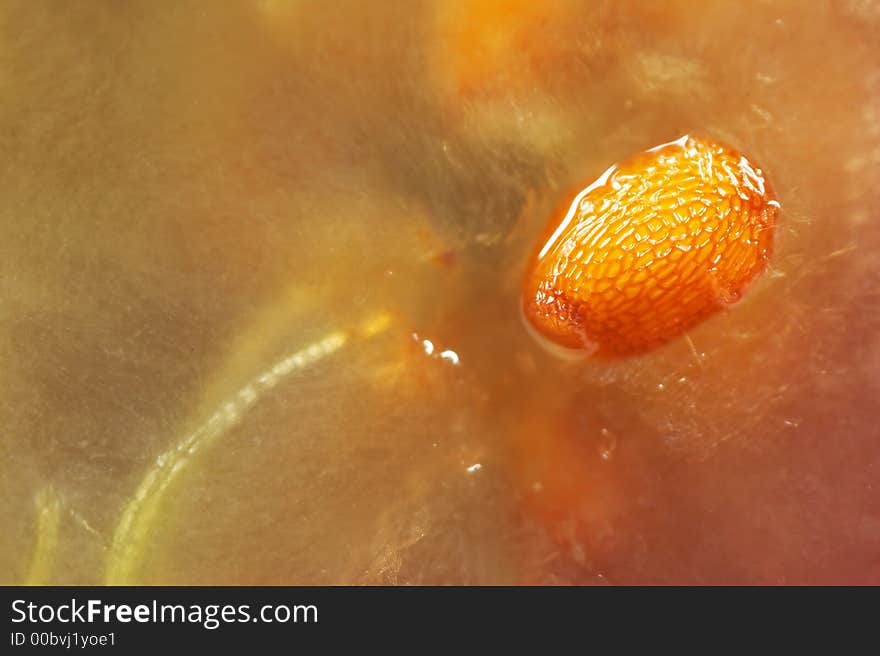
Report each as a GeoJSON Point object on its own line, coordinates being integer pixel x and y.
{"type": "Point", "coordinates": [237, 239]}
{"type": "Point", "coordinates": [650, 248]}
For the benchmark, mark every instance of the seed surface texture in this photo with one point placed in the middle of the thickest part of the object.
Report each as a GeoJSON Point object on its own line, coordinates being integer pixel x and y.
{"type": "Point", "coordinates": [655, 245]}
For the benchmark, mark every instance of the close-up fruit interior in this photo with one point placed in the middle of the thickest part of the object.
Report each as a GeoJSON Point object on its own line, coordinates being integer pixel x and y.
{"type": "Point", "coordinates": [458, 292]}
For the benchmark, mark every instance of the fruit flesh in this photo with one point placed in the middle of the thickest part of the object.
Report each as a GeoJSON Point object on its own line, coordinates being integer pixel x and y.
{"type": "Point", "coordinates": [652, 247]}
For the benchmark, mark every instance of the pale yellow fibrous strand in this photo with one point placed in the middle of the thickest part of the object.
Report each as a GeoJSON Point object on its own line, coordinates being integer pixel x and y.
{"type": "Point", "coordinates": [48, 506]}
{"type": "Point", "coordinates": [138, 517]}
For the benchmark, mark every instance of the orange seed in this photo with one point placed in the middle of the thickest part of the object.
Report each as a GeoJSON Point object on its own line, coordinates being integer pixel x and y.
{"type": "Point", "coordinates": [652, 247]}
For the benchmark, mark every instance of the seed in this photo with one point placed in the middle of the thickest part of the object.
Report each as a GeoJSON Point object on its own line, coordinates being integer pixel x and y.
{"type": "Point", "coordinates": [683, 272]}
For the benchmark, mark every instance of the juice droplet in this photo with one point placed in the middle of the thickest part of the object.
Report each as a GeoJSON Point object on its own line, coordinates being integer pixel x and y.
{"type": "Point", "coordinates": [652, 247]}
{"type": "Point", "coordinates": [607, 444]}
